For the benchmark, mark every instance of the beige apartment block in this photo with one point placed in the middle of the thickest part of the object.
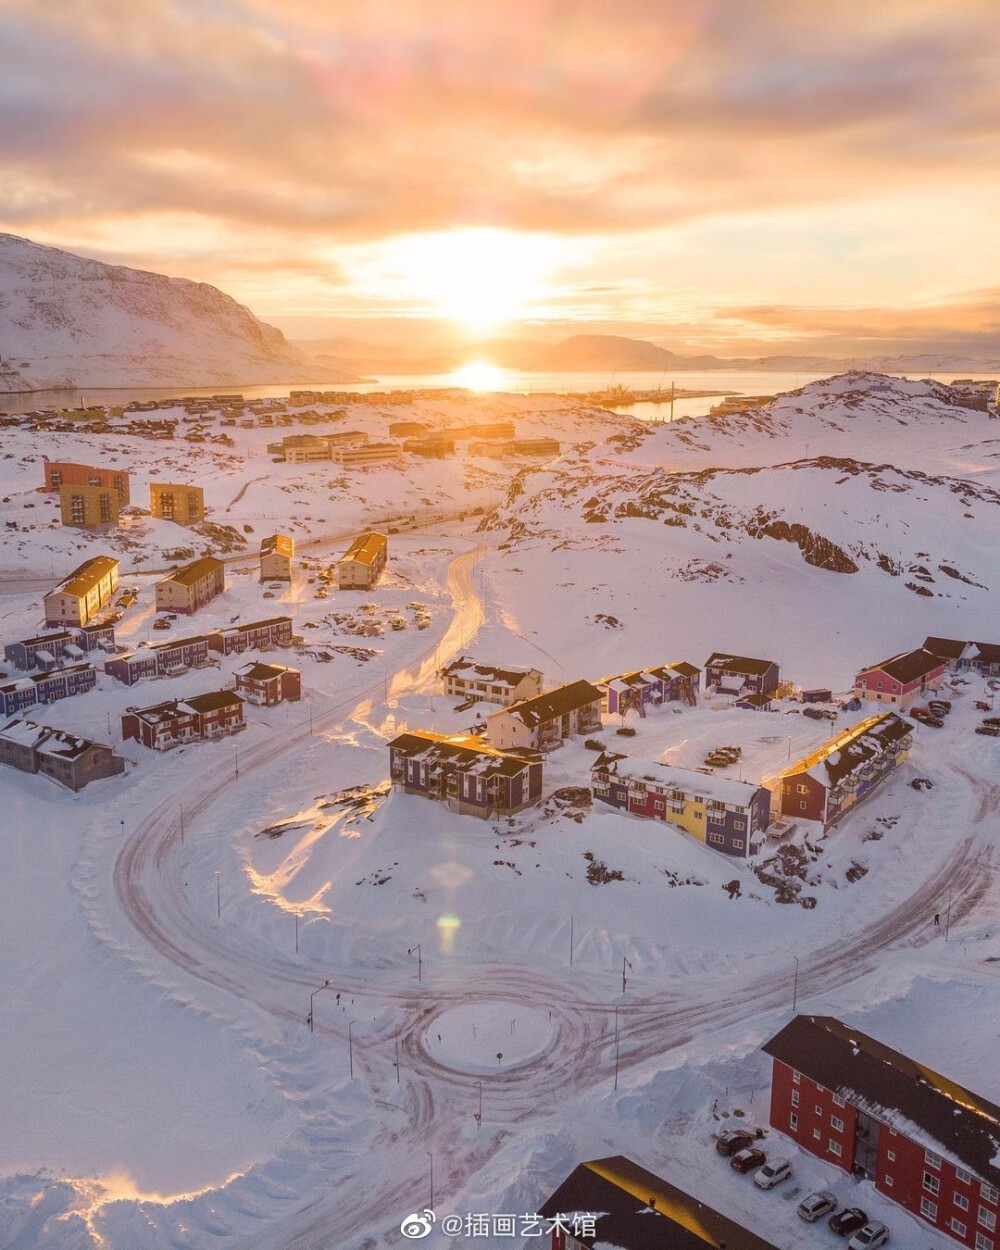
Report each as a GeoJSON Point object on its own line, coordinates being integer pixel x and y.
{"type": "Point", "coordinates": [92, 508]}
{"type": "Point", "coordinates": [172, 502]}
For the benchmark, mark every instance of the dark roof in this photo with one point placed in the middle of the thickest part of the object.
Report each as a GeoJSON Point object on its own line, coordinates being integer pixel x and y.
{"type": "Point", "coordinates": [907, 666]}
{"type": "Point", "coordinates": [683, 668]}
{"type": "Point", "coordinates": [464, 754]}
{"type": "Point", "coordinates": [256, 671]}
{"type": "Point", "coordinates": [212, 701]}
{"type": "Point", "coordinates": [30, 642]}
{"type": "Point", "coordinates": [756, 700]}
{"type": "Point", "coordinates": [545, 707]}
{"type": "Point", "coordinates": [989, 652]}
{"type": "Point", "coordinates": [176, 642]}
{"type": "Point", "coordinates": [195, 571]}
{"type": "Point", "coordinates": [946, 648]}
{"type": "Point", "coordinates": [915, 1100]}
{"type": "Point", "coordinates": [47, 740]}
{"type": "Point", "coordinates": [235, 629]}
{"type": "Point", "coordinates": [621, 1193]}
{"type": "Point", "coordinates": [845, 753]}
{"type": "Point", "coordinates": [737, 663]}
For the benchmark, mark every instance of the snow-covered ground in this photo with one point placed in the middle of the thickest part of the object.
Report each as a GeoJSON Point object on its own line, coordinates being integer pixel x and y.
{"type": "Point", "coordinates": [167, 933]}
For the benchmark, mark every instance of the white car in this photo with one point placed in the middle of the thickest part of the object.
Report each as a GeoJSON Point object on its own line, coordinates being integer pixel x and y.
{"type": "Point", "coordinates": [772, 1173]}
{"type": "Point", "coordinates": [870, 1237]}
{"type": "Point", "coordinates": [816, 1205]}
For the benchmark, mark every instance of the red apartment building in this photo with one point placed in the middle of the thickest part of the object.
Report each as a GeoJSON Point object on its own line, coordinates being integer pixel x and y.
{"type": "Point", "coordinates": [267, 684]}
{"type": "Point", "coordinates": [172, 724]}
{"type": "Point", "coordinates": [922, 1140]}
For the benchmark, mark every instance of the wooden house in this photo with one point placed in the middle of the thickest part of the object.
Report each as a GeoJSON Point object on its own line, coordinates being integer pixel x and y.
{"type": "Point", "coordinates": [267, 684]}
{"type": "Point", "coordinates": [740, 674]}
{"type": "Point", "coordinates": [471, 777]}
{"type": "Point", "coordinates": [546, 721]}
{"type": "Point", "coordinates": [70, 760]}
{"type": "Point", "coordinates": [277, 552]}
{"type": "Point", "coordinates": [469, 679]}
{"type": "Point", "coordinates": [179, 721]}
{"type": "Point", "coordinates": [643, 689]}
{"type": "Point", "coordinates": [902, 679]}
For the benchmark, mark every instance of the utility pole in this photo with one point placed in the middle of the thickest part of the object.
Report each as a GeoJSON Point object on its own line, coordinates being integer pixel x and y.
{"type": "Point", "coordinates": [396, 1065]}
{"type": "Point", "coordinates": [182, 826]}
{"type": "Point", "coordinates": [571, 940]}
{"type": "Point", "coordinates": [616, 1045]}
{"type": "Point", "coordinates": [947, 918]}
{"type": "Point", "coordinates": [350, 1046]}
{"type": "Point", "coordinates": [296, 933]}
{"type": "Point", "coordinates": [218, 895]}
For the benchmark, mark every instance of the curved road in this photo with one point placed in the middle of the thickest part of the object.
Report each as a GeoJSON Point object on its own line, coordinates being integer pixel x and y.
{"type": "Point", "coordinates": [149, 887]}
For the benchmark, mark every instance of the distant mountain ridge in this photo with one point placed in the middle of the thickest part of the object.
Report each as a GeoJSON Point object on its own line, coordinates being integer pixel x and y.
{"type": "Point", "coordinates": [69, 321]}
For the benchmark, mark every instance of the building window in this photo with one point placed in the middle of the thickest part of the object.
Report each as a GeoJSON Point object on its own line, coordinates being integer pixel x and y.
{"type": "Point", "coordinates": [932, 1160]}
{"type": "Point", "coordinates": [836, 1124]}
{"type": "Point", "coordinates": [961, 1202]}
{"type": "Point", "coordinates": [834, 1147]}
{"type": "Point", "coordinates": [932, 1184]}
{"type": "Point", "coordinates": [891, 1156]}
{"type": "Point", "coordinates": [738, 844]}
{"type": "Point", "coordinates": [957, 1227]}
{"type": "Point", "coordinates": [838, 1101]}
{"type": "Point", "coordinates": [817, 1134]}
{"type": "Point", "coordinates": [716, 839]}
{"type": "Point", "coordinates": [819, 1109]}
{"type": "Point", "coordinates": [793, 1122]}
{"type": "Point", "coordinates": [928, 1209]}
{"type": "Point", "coordinates": [987, 1219]}
{"type": "Point", "coordinates": [983, 1242]}
{"type": "Point", "coordinates": [963, 1176]}
{"type": "Point", "coordinates": [887, 1182]}
{"type": "Point", "coordinates": [795, 1097]}
{"type": "Point", "coordinates": [802, 807]}
{"type": "Point", "coordinates": [989, 1194]}
{"type": "Point", "coordinates": [796, 1077]}
{"type": "Point", "coordinates": [801, 789]}
{"type": "Point", "coordinates": [739, 824]}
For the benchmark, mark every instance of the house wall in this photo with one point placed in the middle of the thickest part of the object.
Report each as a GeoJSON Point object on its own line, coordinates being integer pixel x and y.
{"type": "Point", "coordinates": [877, 686]}
{"type": "Point", "coordinates": [809, 1113]}
{"type": "Point", "coordinates": [275, 567]}
{"type": "Point", "coordinates": [803, 797]}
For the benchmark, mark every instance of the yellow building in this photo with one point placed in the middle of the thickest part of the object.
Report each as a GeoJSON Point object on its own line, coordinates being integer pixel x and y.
{"type": "Point", "coordinates": [89, 507]}
{"type": "Point", "coordinates": [171, 502]}
{"type": "Point", "coordinates": [189, 588]}
{"type": "Point", "coordinates": [360, 567]}
{"type": "Point", "coordinates": [276, 555]}
{"type": "Point", "coordinates": [82, 594]}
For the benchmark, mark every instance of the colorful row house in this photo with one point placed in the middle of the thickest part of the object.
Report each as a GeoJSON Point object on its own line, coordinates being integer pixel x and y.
{"type": "Point", "coordinates": [361, 565]}
{"type": "Point", "coordinates": [466, 774]}
{"type": "Point", "coordinates": [741, 674]}
{"type": "Point", "coordinates": [727, 816]}
{"type": "Point", "coordinates": [164, 659]}
{"type": "Point", "coordinates": [47, 650]}
{"type": "Point", "coordinates": [268, 684]}
{"type": "Point", "coordinates": [82, 595]}
{"type": "Point", "coordinates": [200, 718]}
{"type": "Point", "coordinates": [546, 721]}
{"type": "Point", "coordinates": [977, 657]}
{"type": "Point", "coordinates": [646, 688]}
{"type": "Point", "coordinates": [615, 1202]}
{"type": "Point", "coordinates": [60, 683]}
{"type": "Point", "coordinates": [64, 757]}
{"type": "Point", "coordinates": [489, 683]}
{"type": "Point", "coordinates": [920, 1138]}
{"type": "Point", "coordinates": [276, 631]}
{"type": "Point", "coordinates": [902, 679]}
{"type": "Point", "coordinates": [846, 769]}
{"type": "Point", "coordinates": [189, 588]}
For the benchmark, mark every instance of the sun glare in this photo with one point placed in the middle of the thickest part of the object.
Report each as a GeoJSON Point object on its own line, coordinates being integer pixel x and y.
{"type": "Point", "coordinates": [479, 375]}
{"type": "Point", "coordinates": [482, 278]}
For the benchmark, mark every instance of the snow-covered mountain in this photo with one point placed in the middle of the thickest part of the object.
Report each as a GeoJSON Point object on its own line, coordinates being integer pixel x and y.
{"type": "Point", "coordinates": [69, 321]}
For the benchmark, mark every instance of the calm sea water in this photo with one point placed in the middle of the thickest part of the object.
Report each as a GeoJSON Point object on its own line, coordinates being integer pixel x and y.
{"type": "Point", "coordinates": [743, 382]}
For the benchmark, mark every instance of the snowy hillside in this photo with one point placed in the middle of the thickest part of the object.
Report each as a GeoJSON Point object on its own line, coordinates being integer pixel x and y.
{"type": "Point", "coordinates": [857, 501]}
{"type": "Point", "coordinates": [69, 321]}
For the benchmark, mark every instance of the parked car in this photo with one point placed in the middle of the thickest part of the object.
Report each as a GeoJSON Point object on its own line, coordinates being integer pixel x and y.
{"type": "Point", "coordinates": [870, 1237]}
{"type": "Point", "coordinates": [816, 1206]}
{"type": "Point", "coordinates": [991, 731]}
{"type": "Point", "coordinates": [736, 1139]}
{"type": "Point", "coordinates": [772, 1173]}
{"type": "Point", "coordinates": [747, 1160]}
{"type": "Point", "coordinates": [920, 713]}
{"type": "Point", "coordinates": [994, 721]}
{"type": "Point", "coordinates": [268, 594]}
{"type": "Point", "coordinates": [945, 703]}
{"type": "Point", "coordinates": [161, 624]}
{"type": "Point", "coordinates": [814, 713]}
{"type": "Point", "coordinates": [848, 1221]}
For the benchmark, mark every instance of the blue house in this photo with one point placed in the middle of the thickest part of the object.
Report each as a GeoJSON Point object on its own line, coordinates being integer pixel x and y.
{"type": "Point", "coordinates": [470, 776]}
{"type": "Point", "coordinates": [46, 687]}
{"type": "Point", "coordinates": [646, 688]}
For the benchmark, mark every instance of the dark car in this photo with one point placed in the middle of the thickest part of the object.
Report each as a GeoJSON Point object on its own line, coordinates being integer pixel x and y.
{"type": "Point", "coordinates": [991, 731]}
{"type": "Point", "coordinates": [934, 721]}
{"type": "Point", "coordinates": [847, 1221]}
{"type": "Point", "coordinates": [942, 703]}
{"type": "Point", "coordinates": [736, 1139]}
{"type": "Point", "coordinates": [747, 1160]}
{"type": "Point", "coordinates": [994, 721]}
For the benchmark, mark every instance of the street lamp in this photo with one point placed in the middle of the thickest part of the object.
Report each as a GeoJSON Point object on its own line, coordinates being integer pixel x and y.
{"type": "Point", "coordinates": [419, 958]}
{"type": "Point", "coordinates": [430, 1155]}
{"type": "Point", "coordinates": [311, 997]}
{"type": "Point", "coordinates": [218, 895]}
{"type": "Point", "coordinates": [350, 1047]}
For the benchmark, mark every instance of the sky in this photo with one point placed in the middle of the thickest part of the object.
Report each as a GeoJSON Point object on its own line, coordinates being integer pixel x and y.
{"type": "Point", "coordinates": [732, 176]}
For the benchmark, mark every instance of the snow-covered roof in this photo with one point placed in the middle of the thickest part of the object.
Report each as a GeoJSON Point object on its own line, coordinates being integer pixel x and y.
{"type": "Point", "coordinates": [45, 739]}
{"type": "Point", "coordinates": [907, 666]}
{"type": "Point", "coordinates": [365, 548]}
{"type": "Point", "coordinates": [84, 578]}
{"type": "Point", "coordinates": [545, 707]}
{"type": "Point", "coordinates": [738, 663]}
{"type": "Point", "coordinates": [667, 777]}
{"type": "Point", "coordinates": [472, 669]}
{"type": "Point", "coordinates": [467, 755]}
{"type": "Point", "coordinates": [194, 572]}
{"type": "Point", "coordinates": [840, 756]}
